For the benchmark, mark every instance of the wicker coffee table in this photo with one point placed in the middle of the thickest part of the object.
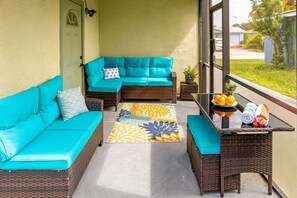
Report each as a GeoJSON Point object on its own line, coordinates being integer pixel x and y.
{"type": "Point", "coordinates": [244, 148]}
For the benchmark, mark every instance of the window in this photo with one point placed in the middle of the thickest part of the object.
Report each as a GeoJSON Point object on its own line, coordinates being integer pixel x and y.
{"type": "Point", "coordinates": [263, 43]}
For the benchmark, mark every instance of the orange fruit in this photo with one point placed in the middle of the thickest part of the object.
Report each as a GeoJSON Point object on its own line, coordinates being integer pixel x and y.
{"type": "Point", "coordinates": [230, 100]}
{"type": "Point", "coordinates": [224, 96]}
{"type": "Point", "coordinates": [216, 98]}
{"type": "Point", "coordinates": [221, 101]}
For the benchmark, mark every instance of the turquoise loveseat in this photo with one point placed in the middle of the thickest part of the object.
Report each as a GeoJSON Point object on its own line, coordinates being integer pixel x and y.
{"type": "Point", "coordinates": [141, 78]}
{"type": "Point", "coordinates": [40, 154]}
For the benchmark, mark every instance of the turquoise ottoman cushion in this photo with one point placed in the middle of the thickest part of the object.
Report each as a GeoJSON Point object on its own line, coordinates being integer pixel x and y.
{"type": "Point", "coordinates": [161, 67]}
{"type": "Point", "coordinates": [14, 139]}
{"type": "Point", "coordinates": [48, 105]}
{"type": "Point", "coordinates": [137, 67]}
{"type": "Point", "coordinates": [109, 86]}
{"type": "Point", "coordinates": [159, 81]}
{"type": "Point", "coordinates": [111, 62]}
{"type": "Point", "coordinates": [87, 121]}
{"type": "Point", "coordinates": [18, 107]}
{"type": "Point", "coordinates": [135, 81]}
{"type": "Point", "coordinates": [51, 150]}
{"type": "Point", "coordinates": [205, 136]}
{"type": "Point", "coordinates": [94, 71]}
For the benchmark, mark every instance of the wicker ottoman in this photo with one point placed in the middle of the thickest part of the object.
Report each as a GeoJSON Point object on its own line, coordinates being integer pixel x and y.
{"type": "Point", "coordinates": [207, 169]}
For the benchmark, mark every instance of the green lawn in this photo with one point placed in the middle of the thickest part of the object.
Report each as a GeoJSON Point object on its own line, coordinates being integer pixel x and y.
{"type": "Point", "coordinates": [282, 81]}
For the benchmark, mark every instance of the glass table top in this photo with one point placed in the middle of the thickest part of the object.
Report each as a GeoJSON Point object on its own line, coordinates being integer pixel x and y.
{"type": "Point", "coordinates": [229, 119]}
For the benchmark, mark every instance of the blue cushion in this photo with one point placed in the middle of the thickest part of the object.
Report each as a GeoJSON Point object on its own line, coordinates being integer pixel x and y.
{"type": "Point", "coordinates": [161, 67]}
{"type": "Point", "coordinates": [135, 81]}
{"type": "Point", "coordinates": [116, 62]}
{"type": "Point", "coordinates": [159, 81]}
{"type": "Point", "coordinates": [87, 121]}
{"type": "Point", "coordinates": [51, 150]}
{"type": "Point", "coordinates": [94, 71]}
{"type": "Point", "coordinates": [48, 106]}
{"type": "Point", "coordinates": [109, 86]}
{"type": "Point", "coordinates": [14, 139]}
{"type": "Point", "coordinates": [137, 67]}
{"type": "Point", "coordinates": [205, 136]}
{"type": "Point", "coordinates": [18, 107]}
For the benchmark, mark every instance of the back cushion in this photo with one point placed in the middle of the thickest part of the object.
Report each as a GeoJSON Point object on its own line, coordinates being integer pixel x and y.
{"type": "Point", "coordinates": [18, 107]}
{"type": "Point", "coordinates": [116, 62]}
{"type": "Point", "coordinates": [161, 67]}
{"type": "Point", "coordinates": [14, 139]}
{"type": "Point", "coordinates": [94, 71]}
{"type": "Point", "coordinates": [137, 67]}
{"type": "Point", "coordinates": [48, 105]}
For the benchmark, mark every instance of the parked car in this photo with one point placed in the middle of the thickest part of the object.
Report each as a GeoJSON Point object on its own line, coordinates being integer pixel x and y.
{"type": "Point", "coordinates": [218, 44]}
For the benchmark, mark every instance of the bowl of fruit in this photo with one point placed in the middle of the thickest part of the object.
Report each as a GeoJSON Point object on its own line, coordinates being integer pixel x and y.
{"type": "Point", "coordinates": [225, 101]}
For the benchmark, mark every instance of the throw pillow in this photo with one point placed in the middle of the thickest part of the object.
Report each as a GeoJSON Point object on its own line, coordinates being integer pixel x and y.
{"type": "Point", "coordinates": [111, 73]}
{"type": "Point", "coordinates": [71, 103]}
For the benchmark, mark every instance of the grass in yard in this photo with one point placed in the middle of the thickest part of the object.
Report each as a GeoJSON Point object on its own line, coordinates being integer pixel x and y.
{"type": "Point", "coordinates": [280, 80]}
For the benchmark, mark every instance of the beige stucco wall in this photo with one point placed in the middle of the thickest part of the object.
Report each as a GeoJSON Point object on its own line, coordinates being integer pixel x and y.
{"type": "Point", "coordinates": [29, 43]}
{"type": "Point", "coordinates": [91, 33]}
{"type": "Point", "coordinates": [284, 146]}
{"type": "Point", "coordinates": [151, 28]}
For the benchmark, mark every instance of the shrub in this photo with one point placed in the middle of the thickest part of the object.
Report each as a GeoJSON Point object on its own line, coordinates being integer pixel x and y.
{"type": "Point", "coordinates": [255, 43]}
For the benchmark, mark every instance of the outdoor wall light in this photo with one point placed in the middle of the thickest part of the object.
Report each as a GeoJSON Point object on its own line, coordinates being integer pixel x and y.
{"type": "Point", "coordinates": [88, 11]}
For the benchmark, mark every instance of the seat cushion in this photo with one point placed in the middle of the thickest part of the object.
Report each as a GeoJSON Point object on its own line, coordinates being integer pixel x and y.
{"type": "Point", "coordinates": [159, 81]}
{"type": "Point", "coordinates": [109, 86]}
{"type": "Point", "coordinates": [161, 67]}
{"type": "Point", "coordinates": [14, 139]}
{"type": "Point", "coordinates": [137, 67]}
{"type": "Point", "coordinates": [18, 107]}
{"type": "Point", "coordinates": [51, 150]}
{"type": "Point", "coordinates": [135, 81]}
{"type": "Point", "coordinates": [205, 136]}
{"type": "Point", "coordinates": [111, 62]}
{"type": "Point", "coordinates": [87, 121]}
{"type": "Point", "coordinates": [48, 105]}
{"type": "Point", "coordinates": [94, 71]}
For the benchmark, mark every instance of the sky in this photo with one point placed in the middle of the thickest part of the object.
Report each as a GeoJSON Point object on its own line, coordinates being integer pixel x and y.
{"type": "Point", "coordinates": [239, 12]}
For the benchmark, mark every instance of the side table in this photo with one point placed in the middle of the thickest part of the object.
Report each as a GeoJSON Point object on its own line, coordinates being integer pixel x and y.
{"type": "Point", "coordinates": [187, 89]}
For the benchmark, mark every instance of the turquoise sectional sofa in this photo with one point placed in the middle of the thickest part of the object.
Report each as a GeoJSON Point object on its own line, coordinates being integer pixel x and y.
{"type": "Point", "coordinates": [141, 78]}
{"type": "Point", "coordinates": [40, 154]}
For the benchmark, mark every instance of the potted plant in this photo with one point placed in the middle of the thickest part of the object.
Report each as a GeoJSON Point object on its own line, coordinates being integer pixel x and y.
{"type": "Point", "coordinates": [190, 74]}
{"type": "Point", "coordinates": [230, 88]}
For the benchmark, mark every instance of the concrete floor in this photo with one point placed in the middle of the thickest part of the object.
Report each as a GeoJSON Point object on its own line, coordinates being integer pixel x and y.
{"type": "Point", "coordinates": [152, 169]}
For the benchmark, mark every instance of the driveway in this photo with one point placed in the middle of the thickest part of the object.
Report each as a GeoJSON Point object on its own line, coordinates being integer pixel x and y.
{"type": "Point", "coordinates": [239, 53]}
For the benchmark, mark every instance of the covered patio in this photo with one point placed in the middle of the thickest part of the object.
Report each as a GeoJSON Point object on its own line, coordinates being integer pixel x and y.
{"type": "Point", "coordinates": [35, 48]}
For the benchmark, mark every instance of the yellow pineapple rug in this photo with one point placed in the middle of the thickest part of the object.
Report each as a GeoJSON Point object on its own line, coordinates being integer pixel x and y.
{"type": "Point", "coordinates": [145, 123]}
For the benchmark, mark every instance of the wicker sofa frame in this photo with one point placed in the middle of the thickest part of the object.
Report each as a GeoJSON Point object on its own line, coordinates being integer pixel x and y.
{"type": "Point", "coordinates": [207, 169]}
{"type": "Point", "coordinates": [52, 183]}
{"type": "Point", "coordinates": [137, 92]}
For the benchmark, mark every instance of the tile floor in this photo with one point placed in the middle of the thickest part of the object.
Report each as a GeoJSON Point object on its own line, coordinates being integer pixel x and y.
{"type": "Point", "coordinates": [152, 170]}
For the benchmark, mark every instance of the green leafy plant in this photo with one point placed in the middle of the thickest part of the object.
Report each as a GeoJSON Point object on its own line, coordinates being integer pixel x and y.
{"type": "Point", "coordinates": [230, 88]}
{"type": "Point", "coordinates": [190, 72]}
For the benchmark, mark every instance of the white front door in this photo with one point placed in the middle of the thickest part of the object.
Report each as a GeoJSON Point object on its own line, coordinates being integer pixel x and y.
{"type": "Point", "coordinates": [71, 44]}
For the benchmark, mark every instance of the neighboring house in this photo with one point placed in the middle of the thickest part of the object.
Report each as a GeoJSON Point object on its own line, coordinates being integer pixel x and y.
{"type": "Point", "coordinates": [252, 33]}
{"type": "Point", "coordinates": [236, 35]}
{"type": "Point", "coordinates": [268, 44]}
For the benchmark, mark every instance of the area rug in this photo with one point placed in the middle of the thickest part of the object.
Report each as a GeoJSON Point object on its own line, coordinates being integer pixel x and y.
{"type": "Point", "coordinates": [145, 123]}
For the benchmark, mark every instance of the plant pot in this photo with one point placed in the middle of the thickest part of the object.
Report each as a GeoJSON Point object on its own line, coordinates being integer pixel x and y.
{"type": "Point", "coordinates": [190, 80]}
{"type": "Point", "coordinates": [230, 93]}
